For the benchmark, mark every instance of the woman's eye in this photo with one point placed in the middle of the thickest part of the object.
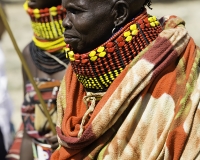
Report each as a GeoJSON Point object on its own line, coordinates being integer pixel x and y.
{"type": "Point", "coordinates": [74, 11]}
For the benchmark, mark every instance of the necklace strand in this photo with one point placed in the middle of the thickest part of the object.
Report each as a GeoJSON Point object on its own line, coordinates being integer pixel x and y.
{"type": "Point", "coordinates": [97, 69]}
{"type": "Point", "coordinates": [42, 59]}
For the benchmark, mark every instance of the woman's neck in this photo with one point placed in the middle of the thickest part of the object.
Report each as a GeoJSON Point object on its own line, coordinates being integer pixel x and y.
{"type": "Point", "coordinates": [97, 69]}
{"type": "Point", "coordinates": [46, 23]}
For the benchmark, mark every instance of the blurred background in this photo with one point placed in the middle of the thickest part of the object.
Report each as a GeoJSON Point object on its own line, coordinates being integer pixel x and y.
{"type": "Point", "coordinates": [20, 25]}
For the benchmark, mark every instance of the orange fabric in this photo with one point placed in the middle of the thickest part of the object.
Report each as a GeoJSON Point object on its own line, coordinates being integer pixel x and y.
{"type": "Point", "coordinates": [150, 111]}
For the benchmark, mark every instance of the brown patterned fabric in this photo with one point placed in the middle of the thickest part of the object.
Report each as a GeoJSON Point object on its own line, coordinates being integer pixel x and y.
{"type": "Point", "coordinates": [150, 111]}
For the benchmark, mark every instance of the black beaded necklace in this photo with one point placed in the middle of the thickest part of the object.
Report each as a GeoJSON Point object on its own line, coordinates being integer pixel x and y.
{"type": "Point", "coordinates": [46, 63]}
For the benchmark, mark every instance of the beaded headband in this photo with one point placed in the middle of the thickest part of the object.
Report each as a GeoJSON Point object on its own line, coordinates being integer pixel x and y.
{"type": "Point", "coordinates": [97, 69]}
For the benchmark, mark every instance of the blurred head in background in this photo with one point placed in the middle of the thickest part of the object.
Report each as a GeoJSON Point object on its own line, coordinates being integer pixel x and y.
{"type": "Point", "coordinates": [43, 4]}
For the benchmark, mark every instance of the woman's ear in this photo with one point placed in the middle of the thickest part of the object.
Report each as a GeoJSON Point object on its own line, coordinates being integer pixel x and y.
{"type": "Point", "coordinates": [120, 12]}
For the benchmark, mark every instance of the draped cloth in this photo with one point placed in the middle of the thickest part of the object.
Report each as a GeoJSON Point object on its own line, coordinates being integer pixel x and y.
{"type": "Point", "coordinates": [150, 111]}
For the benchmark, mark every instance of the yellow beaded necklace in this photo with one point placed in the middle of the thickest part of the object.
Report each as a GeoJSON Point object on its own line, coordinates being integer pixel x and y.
{"type": "Point", "coordinates": [97, 69]}
{"type": "Point", "coordinates": [47, 27]}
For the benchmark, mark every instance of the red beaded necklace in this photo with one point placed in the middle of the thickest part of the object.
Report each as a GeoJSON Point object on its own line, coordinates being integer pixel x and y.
{"type": "Point", "coordinates": [97, 69]}
{"type": "Point", "coordinates": [47, 22]}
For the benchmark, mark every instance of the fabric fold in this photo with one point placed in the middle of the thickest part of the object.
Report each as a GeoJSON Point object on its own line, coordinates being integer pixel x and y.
{"type": "Point", "coordinates": [150, 111]}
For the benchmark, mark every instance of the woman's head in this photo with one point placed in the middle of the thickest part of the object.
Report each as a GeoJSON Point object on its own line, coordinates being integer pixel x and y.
{"type": "Point", "coordinates": [89, 23]}
{"type": "Point", "coordinates": [43, 3]}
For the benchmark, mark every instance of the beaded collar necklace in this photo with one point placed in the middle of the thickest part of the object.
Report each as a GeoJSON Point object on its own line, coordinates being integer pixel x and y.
{"type": "Point", "coordinates": [47, 27]}
{"type": "Point", "coordinates": [48, 38]}
{"type": "Point", "coordinates": [47, 22]}
{"type": "Point", "coordinates": [46, 62]}
{"type": "Point", "coordinates": [97, 69]}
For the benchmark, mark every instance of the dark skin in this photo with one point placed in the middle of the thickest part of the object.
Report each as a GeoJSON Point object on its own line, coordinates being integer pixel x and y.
{"type": "Point", "coordinates": [26, 147]}
{"type": "Point", "coordinates": [40, 4]}
{"type": "Point", "coordinates": [89, 23]}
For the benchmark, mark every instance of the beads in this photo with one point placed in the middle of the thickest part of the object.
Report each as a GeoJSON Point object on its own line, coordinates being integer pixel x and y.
{"type": "Point", "coordinates": [133, 27]}
{"type": "Point", "coordinates": [100, 67]}
{"type": "Point", "coordinates": [99, 82]}
{"type": "Point", "coordinates": [100, 49]}
{"type": "Point", "coordinates": [47, 11]}
{"type": "Point", "coordinates": [129, 38]}
{"type": "Point", "coordinates": [93, 58]}
{"type": "Point", "coordinates": [71, 56]}
{"type": "Point", "coordinates": [102, 54]}
{"type": "Point", "coordinates": [47, 22]}
{"type": "Point", "coordinates": [134, 30]}
{"type": "Point", "coordinates": [53, 11]}
{"type": "Point", "coordinates": [127, 33]}
{"type": "Point", "coordinates": [153, 21]}
{"type": "Point", "coordinates": [92, 53]}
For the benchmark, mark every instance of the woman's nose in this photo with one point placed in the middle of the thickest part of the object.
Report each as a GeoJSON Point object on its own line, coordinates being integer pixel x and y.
{"type": "Point", "coordinates": [67, 23]}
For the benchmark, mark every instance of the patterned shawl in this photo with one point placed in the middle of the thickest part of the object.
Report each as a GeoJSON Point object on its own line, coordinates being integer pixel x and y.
{"type": "Point", "coordinates": [150, 111]}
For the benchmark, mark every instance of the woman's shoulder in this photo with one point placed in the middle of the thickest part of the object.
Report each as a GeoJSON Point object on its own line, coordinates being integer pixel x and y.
{"type": "Point", "coordinates": [26, 50]}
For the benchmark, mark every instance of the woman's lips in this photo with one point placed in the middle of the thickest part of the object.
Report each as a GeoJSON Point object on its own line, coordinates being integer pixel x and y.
{"type": "Point", "coordinates": [69, 39]}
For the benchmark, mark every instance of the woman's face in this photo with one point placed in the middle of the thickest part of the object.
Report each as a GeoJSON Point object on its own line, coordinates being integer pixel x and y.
{"type": "Point", "coordinates": [88, 23]}
{"type": "Point", "coordinates": [40, 4]}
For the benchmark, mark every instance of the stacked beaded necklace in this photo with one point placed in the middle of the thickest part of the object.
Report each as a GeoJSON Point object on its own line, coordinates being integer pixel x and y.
{"type": "Point", "coordinates": [97, 69]}
{"type": "Point", "coordinates": [47, 22]}
{"type": "Point", "coordinates": [48, 38]}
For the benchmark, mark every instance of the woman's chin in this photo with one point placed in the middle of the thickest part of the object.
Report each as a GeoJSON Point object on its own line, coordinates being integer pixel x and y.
{"type": "Point", "coordinates": [78, 47]}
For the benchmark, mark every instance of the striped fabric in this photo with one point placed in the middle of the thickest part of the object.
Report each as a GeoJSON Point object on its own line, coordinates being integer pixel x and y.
{"type": "Point", "coordinates": [34, 120]}
{"type": "Point", "coordinates": [14, 150]}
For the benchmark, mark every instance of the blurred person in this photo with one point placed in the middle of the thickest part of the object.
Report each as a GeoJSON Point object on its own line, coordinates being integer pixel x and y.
{"type": "Point", "coordinates": [47, 63]}
{"type": "Point", "coordinates": [132, 89]}
{"type": "Point", "coordinates": [6, 105]}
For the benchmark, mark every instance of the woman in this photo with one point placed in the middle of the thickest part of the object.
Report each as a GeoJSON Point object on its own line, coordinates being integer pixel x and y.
{"type": "Point", "coordinates": [132, 89]}
{"type": "Point", "coordinates": [47, 63]}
